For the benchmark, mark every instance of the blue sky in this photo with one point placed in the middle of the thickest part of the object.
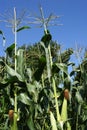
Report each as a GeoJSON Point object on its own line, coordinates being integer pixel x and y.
{"type": "Point", "coordinates": [73, 17]}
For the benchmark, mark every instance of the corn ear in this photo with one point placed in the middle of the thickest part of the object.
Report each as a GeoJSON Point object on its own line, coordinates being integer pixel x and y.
{"type": "Point", "coordinates": [68, 126]}
{"type": "Point", "coordinates": [53, 121]}
{"type": "Point", "coordinates": [56, 101]}
{"type": "Point", "coordinates": [64, 110]}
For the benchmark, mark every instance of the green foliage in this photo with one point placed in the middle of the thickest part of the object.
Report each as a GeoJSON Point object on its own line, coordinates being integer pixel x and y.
{"type": "Point", "coordinates": [37, 100]}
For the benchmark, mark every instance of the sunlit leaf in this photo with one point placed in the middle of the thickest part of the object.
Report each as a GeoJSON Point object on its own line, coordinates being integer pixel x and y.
{"type": "Point", "coordinates": [34, 90]}
{"type": "Point", "coordinates": [79, 97]}
{"type": "Point", "coordinates": [20, 62]}
{"type": "Point", "coordinates": [63, 68]}
{"type": "Point", "coordinates": [24, 99]}
{"type": "Point", "coordinates": [12, 72]}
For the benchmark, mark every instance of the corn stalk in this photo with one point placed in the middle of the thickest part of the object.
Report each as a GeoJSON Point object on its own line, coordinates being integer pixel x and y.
{"type": "Point", "coordinates": [14, 125]}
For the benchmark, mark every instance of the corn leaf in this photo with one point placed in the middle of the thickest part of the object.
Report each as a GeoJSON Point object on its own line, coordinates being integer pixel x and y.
{"type": "Point", "coordinates": [79, 97]}
{"type": "Point", "coordinates": [22, 28]}
{"type": "Point", "coordinates": [63, 68]}
{"type": "Point", "coordinates": [10, 49]}
{"type": "Point", "coordinates": [30, 122]}
{"type": "Point", "coordinates": [25, 99]}
{"type": "Point", "coordinates": [12, 72]}
{"type": "Point", "coordinates": [3, 37]}
{"type": "Point", "coordinates": [20, 62]}
{"type": "Point", "coordinates": [1, 32]}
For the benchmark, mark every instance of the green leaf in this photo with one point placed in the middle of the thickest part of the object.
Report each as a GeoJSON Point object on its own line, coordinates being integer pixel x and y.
{"type": "Point", "coordinates": [1, 32]}
{"type": "Point", "coordinates": [10, 49]}
{"type": "Point", "coordinates": [31, 88]}
{"type": "Point", "coordinates": [46, 39]}
{"type": "Point", "coordinates": [34, 90]}
{"type": "Point", "coordinates": [38, 73]}
{"type": "Point", "coordinates": [53, 121]}
{"type": "Point", "coordinates": [20, 62]}
{"type": "Point", "coordinates": [3, 37]}
{"type": "Point", "coordinates": [63, 68]}
{"type": "Point", "coordinates": [12, 72]}
{"type": "Point", "coordinates": [30, 123]}
{"type": "Point", "coordinates": [25, 99]}
{"type": "Point", "coordinates": [79, 97]}
{"type": "Point", "coordinates": [22, 28]}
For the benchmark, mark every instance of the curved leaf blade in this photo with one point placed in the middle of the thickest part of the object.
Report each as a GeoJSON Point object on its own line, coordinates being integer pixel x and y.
{"type": "Point", "coordinates": [63, 68]}
{"type": "Point", "coordinates": [3, 37]}
{"type": "Point", "coordinates": [1, 32]}
{"type": "Point", "coordinates": [12, 72]}
{"type": "Point", "coordinates": [22, 28]}
{"type": "Point", "coordinates": [25, 99]}
{"type": "Point", "coordinates": [10, 49]}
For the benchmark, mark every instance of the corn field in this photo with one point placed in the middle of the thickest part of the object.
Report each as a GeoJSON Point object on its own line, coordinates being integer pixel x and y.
{"type": "Point", "coordinates": [40, 87]}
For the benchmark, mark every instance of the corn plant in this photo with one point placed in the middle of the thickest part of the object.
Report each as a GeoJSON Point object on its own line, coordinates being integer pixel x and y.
{"type": "Point", "coordinates": [15, 22]}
